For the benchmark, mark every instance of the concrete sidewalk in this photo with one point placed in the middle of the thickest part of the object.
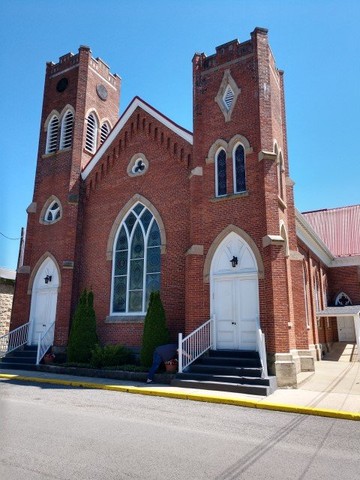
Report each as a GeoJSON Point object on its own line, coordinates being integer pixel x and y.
{"type": "Point", "coordinates": [332, 391]}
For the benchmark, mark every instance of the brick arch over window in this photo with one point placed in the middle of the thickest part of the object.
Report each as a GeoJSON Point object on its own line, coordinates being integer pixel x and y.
{"type": "Point", "coordinates": [220, 238]}
{"type": "Point", "coordinates": [38, 265]}
{"type": "Point", "coordinates": [120, 217]}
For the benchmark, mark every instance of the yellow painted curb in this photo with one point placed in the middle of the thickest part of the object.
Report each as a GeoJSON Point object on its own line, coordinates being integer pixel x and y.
{"type": "Point", "coordinates": [197, 396]}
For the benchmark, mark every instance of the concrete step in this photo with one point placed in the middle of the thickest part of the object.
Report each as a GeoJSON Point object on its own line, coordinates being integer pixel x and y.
{"type": "Point", "coordinates": [224, 378]}
{"type": "Point", "coordinates": [223, 387]}
{"type": "Point", "coordinates": [229, 361]}
{"type": "Point", "coordinates": [225, 370]}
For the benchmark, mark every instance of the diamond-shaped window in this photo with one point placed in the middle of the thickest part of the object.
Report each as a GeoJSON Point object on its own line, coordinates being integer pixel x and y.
{"type": "Point", "coordinates": [228, 97]}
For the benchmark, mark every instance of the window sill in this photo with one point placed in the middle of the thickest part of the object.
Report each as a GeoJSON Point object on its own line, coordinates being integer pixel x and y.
{"type": "Point", "coordinates": [231, 196]}
{"type": "Point", "coordinates": [282, 204]}
{"type": "Point", "coordinates": [125, 319]}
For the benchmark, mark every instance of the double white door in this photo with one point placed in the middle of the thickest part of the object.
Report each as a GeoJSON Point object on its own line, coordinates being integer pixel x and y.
{"type": "Point", "coordinates": [236, 308]}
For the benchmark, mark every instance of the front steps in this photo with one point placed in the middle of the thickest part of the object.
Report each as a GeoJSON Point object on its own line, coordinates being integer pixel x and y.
{"type": "Point", "coordinates": [228, 371]}
{"type": "Point", "coordinates": [23, 358]}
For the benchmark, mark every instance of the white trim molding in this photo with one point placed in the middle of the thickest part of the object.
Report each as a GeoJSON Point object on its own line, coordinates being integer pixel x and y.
{"type": "Point", "coordinates": [137, 102]}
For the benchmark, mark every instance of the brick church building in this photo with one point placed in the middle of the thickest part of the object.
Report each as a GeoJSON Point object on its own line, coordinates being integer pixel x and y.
{"type": "Point", "coordinates": [131, 204]}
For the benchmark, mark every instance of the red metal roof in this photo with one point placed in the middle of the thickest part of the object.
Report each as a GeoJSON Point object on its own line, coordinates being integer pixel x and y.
{"type": "Point", "coordinates": [338, 228]}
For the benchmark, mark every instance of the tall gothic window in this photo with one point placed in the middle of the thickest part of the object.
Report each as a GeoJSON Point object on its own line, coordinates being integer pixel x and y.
{"type": "Point", "coordinates": [220, 172]}
{"type": "Point", "coordinates": [52, 135]}
{"type": "Point", "coordinates": [136, 262]}
{"type": "Point", "coordinates": [66, 130]}
{"type": "Point", "coordinates": [91, 133]}
{"type": "Point", "coordinates": [239, 169]}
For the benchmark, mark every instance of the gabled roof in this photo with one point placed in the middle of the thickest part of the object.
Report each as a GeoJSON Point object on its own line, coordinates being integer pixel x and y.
{"type": "Point", "coordinates": [338, 228]}
{"type": "Point", "coordinates": [136, 102]}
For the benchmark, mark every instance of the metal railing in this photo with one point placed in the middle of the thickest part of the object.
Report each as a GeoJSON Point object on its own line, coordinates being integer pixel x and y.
{"type": "Point", "coordinates": [45, 342]}
{"type": "Point", "coordinates": [260, 343]}
{"type": "Point", "coordinates": [195, 344]}
{"type": "Point", "coordinates": [14, 339]}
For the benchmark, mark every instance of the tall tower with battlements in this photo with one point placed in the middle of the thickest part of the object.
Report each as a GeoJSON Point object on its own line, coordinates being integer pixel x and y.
{"type": "Point", "coordinates": [80, 107]}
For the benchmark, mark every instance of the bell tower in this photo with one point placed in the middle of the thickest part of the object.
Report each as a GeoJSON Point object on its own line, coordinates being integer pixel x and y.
{"type": "Point", "coordinates": [80, 107]}
{"type": "Point", "coordinates": [240, 184]}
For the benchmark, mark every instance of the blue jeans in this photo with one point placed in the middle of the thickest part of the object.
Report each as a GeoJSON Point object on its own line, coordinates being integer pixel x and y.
{"type": "Point", "coordinates": [155, 365]}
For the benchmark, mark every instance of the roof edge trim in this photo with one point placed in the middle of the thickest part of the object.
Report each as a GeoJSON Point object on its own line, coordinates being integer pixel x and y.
{"type": "Point", "coordinates": [136, 102]}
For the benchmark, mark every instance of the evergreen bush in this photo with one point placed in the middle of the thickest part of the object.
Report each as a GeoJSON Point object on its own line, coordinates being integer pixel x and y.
{"type": "Point", "coordinates": [110, 356]}
{"type": "Point", "coordinates": [155, 329]}
{"type": "Point", "coordinates": [83, 337]}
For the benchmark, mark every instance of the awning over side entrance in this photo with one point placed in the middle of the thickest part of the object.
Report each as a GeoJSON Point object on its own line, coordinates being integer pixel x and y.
{"type": "Point", "coordinates": [345, 311]}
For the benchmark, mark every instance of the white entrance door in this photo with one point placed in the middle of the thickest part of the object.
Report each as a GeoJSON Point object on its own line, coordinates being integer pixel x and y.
{"type": "Point", "coordinates": [44, 300]}
{"type": "Point", "coordinates": [346, 329]}
{"type": "Point", "coordinates": [235, 294]}
{"type": "Point", "coordinates": [236, 312]}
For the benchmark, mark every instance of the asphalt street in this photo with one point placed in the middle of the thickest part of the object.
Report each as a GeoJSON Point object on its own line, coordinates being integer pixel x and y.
{"type": "Point", "coordinates": [54, 432]}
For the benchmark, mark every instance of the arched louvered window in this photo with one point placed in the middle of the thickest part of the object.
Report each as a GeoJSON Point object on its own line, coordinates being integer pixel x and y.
{"type": "Point", "coordinates": [52, 135]}
{"type": "Point", "coordinates": [136, 262]}
{"type": "Point", "coordinates": [53, 212]}
{"type": "Point", "coordinates": [104, 132]}
{"type": "Point", "coordinates": [220, 173]}
{"type": "Point", "coordinates": [239, 169]}
{"type": "Point", "coordinates": [66, 130]}
{"type": "Point", "coordinates": [91, 133]}
{"type": "Point", "coordinates": [280, 168]}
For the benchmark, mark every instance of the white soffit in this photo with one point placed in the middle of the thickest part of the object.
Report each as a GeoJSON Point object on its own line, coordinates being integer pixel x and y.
{"type": "Point", "coordinates": [137, 102]}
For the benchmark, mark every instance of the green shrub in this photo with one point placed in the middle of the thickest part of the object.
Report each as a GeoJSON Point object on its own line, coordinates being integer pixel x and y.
{"type": "Point", "coordinates": [83, 337]}
{"type": "Point", "coordinates": [110, 356]}
{"type": "Point", "coordinates": [155, 329]}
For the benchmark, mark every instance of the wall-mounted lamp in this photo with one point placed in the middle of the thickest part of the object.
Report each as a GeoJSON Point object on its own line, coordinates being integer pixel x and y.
{"type": "Point", "coordinates": [234, 261]}
{"type": "Point", "coordinates": [48, 278]}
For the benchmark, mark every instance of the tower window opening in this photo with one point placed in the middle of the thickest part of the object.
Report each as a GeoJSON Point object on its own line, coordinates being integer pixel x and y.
{"type": "Point", "coordinates": [91, 133]}
{"type": "Point", "coordinates": [67, 130]}
{"type": "Point", "coordinates": [52, 135]}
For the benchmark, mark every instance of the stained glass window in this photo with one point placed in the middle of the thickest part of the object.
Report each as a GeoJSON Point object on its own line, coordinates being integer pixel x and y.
{"type": "Point", "coordinates": [239, 169]}
{"type": "Point", "coordinates": [221, 173]}
{"type": "Point", "coordinates": [136, 266]}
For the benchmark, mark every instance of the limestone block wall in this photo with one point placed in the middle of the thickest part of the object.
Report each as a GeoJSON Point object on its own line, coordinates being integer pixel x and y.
{"type": "Point", "coordinates": [6, 300]}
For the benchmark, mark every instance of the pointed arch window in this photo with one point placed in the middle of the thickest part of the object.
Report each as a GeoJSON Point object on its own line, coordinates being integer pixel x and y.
{"type": "Point", "coordinates": [104, 132]}
{"type": "Point", "coordinates": [136, 262]}
{"type": "Point", "coordinates": [280, 167]}
{"type": "Point", "coordinates": [53, 212]}
{"type": "Point", "coordinates": [66, 130]}
{"type": "Point", "coordinates": [52, 135]}
{"type": "Point", "coordinates": [342, 299]}
{"type": "Point", "coordinates": [91, 133]}
{"type": "Point", "coordinates": [239, 169]}
{"type": "Point", "coordinates": [220, 173]}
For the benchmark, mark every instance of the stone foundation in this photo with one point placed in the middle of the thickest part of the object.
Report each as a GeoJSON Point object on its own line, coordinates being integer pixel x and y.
{"type": "Point", "coordinates": [287, 366]}
{"type": "Point", "coordinates": [6, 301]}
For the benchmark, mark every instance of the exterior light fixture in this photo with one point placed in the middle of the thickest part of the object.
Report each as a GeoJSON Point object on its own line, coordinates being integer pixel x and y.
{"type": "Point", "coordinates": [48, 278]}
{"type": "Point", "coordinates": [234, 261]}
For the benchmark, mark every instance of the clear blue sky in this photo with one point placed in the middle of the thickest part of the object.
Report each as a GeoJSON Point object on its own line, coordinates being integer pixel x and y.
{"type": "Point", "coordinates": [150, 44]}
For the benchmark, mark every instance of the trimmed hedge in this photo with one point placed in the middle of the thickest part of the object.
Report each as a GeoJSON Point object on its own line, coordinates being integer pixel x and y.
{"type": "Point", "coordinates": [83, 337]}
{"type": "Point", "coordinates": [110, 356]}
{"type": "Point", "coordinates": [155, 329]}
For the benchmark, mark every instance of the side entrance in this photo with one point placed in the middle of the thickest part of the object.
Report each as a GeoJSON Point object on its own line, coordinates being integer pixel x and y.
{"type": "Point", "coordinates": [235, 295]}
{"type": "Point", "coordinates": [43, 300]}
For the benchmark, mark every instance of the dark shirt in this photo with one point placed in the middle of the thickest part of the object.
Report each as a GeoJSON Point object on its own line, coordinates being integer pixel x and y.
{"type": "Point", "coordinates": [167, 352]}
